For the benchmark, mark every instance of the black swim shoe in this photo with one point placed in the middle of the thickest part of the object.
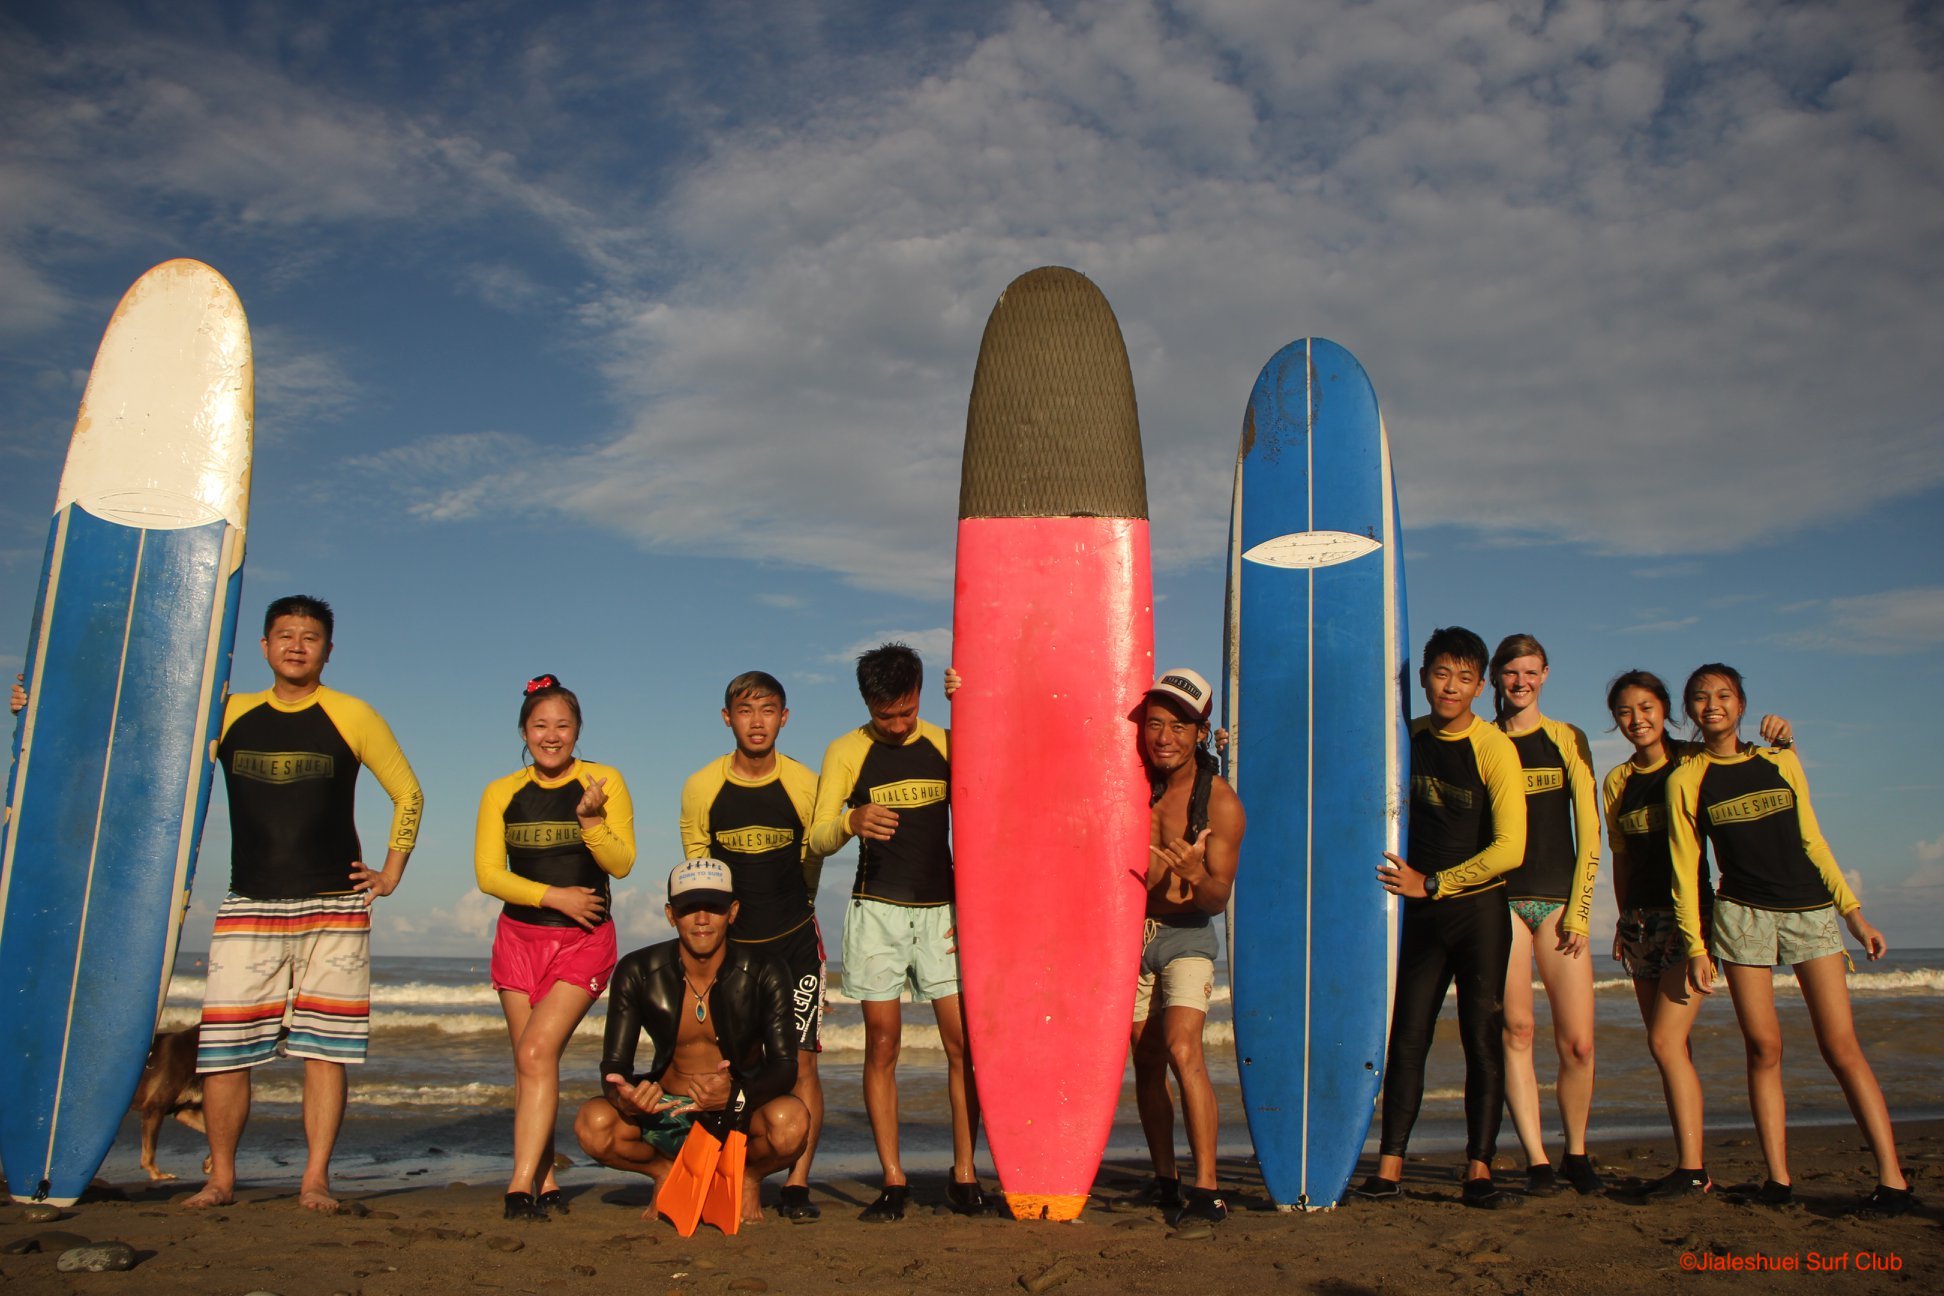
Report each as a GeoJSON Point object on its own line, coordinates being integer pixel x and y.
{"type": "Point", "coordinates": [889, 1206]}
{"type": "Point", "coordinates": [1886, 1201]}
{"type": "Point", "coordinates": [1201, 1204]}
{"type": "Point", "coordinates": [796, 1206]}
{"type": "Point", "coordinates": [1772, 1193]}
{"type": "Point", "coordinates": [1162, 1191]}
{"type": "Point", "coordinates": [1679, 1185]}
{"type": "Point", "coordinates": [1379, 1188]}
{"type": "Point", "coordinates": [521, 1206]}
{"type": "Point", "coordinates": [1542, 1180]}
{"type": "Point", "coordinates": [966, 1198]}
{"type": "Point", "coordinates": [1486, 1195]}
{"type": "Point", "coordinates": [552, 1201]}
{"type": "Point", "coordinates": [1579, 1172]}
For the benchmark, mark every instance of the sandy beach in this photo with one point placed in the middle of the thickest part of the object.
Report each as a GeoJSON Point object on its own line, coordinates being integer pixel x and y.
{"type": "Point", "coordinates": [449, 1238]}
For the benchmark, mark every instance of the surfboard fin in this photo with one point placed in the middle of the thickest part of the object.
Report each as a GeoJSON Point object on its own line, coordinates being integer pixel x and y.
{"type": "Point", "coordinates": [722, 1205]}
{"type": "Point", "coordinates": [680, 1196]}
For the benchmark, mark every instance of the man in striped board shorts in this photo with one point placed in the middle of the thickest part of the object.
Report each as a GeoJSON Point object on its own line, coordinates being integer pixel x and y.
{"type": "Point", "coordinates": [290, 960]}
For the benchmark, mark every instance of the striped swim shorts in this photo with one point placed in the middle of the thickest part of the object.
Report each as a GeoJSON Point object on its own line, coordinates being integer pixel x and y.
{"type": "Point", "coordinates": [287, 978]}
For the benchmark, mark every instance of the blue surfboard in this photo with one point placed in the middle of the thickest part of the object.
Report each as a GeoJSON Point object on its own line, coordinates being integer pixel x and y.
{"type": "Point", "coordinates": [1316, 651]}
{"type": "Point", "coordinates": [126, 673]}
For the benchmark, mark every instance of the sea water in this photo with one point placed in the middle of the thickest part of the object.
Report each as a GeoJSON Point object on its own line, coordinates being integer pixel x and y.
{"type": "Point", "coordinates": [432, 1103]}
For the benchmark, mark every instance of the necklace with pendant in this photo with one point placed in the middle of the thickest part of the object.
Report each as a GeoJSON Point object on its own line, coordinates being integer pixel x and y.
{"type": "Point", "coordinates": [701, 997]}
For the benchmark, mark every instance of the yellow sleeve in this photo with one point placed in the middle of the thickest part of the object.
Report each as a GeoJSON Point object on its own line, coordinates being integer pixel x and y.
{"type": "Point", "coordinates": [233, 706]}
{"type": "Point", "coordinates": [1812, 839]}
{"type": "Point", "coordinates": [801, 786]}
{"type": "Point", "coordinates": [489, 847]}
{"type": "Point", "coordinates": [940, 738]}
{"type": "Point", "coordinates": [1610, 790]}
{"type": "Point", "coordinates": [1578, 917]}
{"type": "Point", "coordinates": [1504, 777]}
{"type": "Point", "coordinates": [612, 841]}
{"type": "Point", "coordinates": [371, 741]}
{"type": "Point", "coordinates": [841, 762]}
{"type": "Point", "coordinates": [698, 794]}
{"type": "Point", "coordinates": [1684, 845]}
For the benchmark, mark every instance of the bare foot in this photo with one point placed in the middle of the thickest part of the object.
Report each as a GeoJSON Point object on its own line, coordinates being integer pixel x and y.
{"type": "Point", "coordinates": [321, 1202]}
{"type": "Point", "coordinates": [211, 1195]}
{"type": "Point", "coordinates": [158, 1176]}
{"type": "Point", "coordinates": [752, 1200]}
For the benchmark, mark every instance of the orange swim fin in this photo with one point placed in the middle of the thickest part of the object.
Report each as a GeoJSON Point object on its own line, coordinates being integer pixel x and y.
{"type": "Point", "coordinates": [722, 1205]}
{"type": "Point", "coordinates": [680, 1195]}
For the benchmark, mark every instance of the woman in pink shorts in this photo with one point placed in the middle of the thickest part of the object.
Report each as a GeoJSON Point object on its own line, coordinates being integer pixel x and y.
{"type": "Point", "coordinates": [550, 836]}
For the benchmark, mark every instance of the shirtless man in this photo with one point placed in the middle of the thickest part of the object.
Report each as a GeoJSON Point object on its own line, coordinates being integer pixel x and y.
{"type": "Point", "coordinates": [1197, 827]}
{"type": "Point", "coordinates": [723, 1050]}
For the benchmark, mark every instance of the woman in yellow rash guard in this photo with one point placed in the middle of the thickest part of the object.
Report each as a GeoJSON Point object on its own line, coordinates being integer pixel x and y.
{"type": "Point", "coordinates": [1647, 940]}
{"type": "Point", "coordinates": [1778, 900]}
{"type": "Point", "coordinates": [1551, 897]}
{"type": "Point", "coordinates": [549, 837]}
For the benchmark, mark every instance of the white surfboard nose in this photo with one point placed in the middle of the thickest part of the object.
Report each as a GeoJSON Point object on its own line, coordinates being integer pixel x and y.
{"type": "Point", "coordinates": [163, 440]}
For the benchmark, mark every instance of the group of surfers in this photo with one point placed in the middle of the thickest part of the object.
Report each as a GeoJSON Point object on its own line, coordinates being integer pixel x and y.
{"type": "Point", "coordinates": [1500, 864]}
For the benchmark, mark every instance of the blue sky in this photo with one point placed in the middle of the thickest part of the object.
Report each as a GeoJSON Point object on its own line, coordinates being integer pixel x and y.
{"type": "Point", "coordinates": [632, 341]}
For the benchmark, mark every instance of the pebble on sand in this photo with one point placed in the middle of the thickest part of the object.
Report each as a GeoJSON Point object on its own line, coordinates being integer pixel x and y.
{"type": "Point", "coordinates": [102, 1257]}
{"type": "Point", "coordinates": [41, 1213]}
{"type": "Point", "coordinates": [1048, 1278]}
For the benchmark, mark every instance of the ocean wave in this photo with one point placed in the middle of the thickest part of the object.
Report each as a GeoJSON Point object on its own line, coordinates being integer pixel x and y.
{"type": "Point", "coordinates": [403, 994]}
{"type": "Point", "coordinates": [475, 1094]}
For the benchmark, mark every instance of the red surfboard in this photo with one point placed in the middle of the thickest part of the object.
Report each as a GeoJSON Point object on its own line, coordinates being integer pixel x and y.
{"type": "Point", "coordinates": [1053, 632]}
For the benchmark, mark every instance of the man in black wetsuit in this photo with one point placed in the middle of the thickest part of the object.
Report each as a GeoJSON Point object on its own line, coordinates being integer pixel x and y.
{"type": "Point", "coordinates": [1468, 829]}
{"type": "Point", "coordinates": [723, 1051]}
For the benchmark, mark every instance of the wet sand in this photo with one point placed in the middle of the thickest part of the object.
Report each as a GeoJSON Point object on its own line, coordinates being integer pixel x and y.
{"type": "Point", "coordinates": [449, 1238]}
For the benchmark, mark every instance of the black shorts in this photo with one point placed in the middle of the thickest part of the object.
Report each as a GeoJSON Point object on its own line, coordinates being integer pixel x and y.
{"type": "Point", "coordinates": [801, 955]}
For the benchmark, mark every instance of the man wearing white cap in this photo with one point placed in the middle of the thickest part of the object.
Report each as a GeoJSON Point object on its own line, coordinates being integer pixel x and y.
{"type": "Point", "coordinates": [723, 1046]}
{"type": "Point", "coordinates": [1197, 827]}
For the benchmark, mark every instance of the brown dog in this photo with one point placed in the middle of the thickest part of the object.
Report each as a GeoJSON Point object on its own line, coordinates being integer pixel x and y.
{"type": "Point", "coordinates": [169, 1087]}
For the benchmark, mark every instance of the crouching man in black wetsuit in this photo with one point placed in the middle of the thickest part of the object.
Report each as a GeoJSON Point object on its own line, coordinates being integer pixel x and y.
{"type": "Point", "coordinates": [723, 1047]}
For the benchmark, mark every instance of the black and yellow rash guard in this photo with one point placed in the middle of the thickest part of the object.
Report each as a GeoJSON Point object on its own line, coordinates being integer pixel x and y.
{"type": "Point", "coordinates": [912, 778]}
{"type": "Point", "coordinates": [528, 838]}
{"type": "Point", "coordinates": [291, 770]}
{"type": "Point", "coordinates": [759, 828]}
{"type": "Point", "coordinates": [1562, 853]}
{"type": "Point", "coordinates": [1468, 814]}
{"type": "Point", "coordinates": [1752, 810]}
{"type": "Point", "coordinates": [1635, 800]}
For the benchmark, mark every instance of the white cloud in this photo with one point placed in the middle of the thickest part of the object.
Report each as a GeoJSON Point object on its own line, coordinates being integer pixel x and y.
{"type": "Point", "coordinates": [1590, 256]}
{"type": "Point", "coordinates": [464, 927]}
{"type": "Point", "coordinates": [299, 380]}
{"type": "Point", "coordinates": [1654, 287]}
{"type": "Point", "coordinates": [455, 475]}
{"type": "Point", "coordinates": [1665, 626]}
{"type": "Point", "coordinates": [934, 646]}
{"type": "Point", "coordinates": [1890, 622]}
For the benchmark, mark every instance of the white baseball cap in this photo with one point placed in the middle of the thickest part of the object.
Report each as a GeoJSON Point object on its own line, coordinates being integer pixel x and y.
{"type": "Point", "coordinates": [698, 882]}
{"type": "Point", "coordinates": [1186, 687]}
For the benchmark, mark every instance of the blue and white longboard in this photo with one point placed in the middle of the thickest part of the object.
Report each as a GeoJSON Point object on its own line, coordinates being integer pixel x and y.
{"type": "Point", "coordinates": [1316, 650]}
{"type": "Point", "coordinates": [126, 674]}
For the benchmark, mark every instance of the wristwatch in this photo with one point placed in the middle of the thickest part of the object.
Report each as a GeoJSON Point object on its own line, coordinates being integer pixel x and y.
{"type": "Point", "coordinates": [1431, 886]}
